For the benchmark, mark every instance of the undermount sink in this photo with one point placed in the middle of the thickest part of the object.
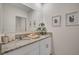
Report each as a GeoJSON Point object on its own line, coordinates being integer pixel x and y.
{"type": "Point", "coordinates": [26, 38]}
{"type": "Point", "coordinates": [33, 36]}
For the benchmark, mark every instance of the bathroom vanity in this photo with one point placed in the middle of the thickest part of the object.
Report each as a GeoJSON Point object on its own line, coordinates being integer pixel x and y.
{"type": "Point", "coordinates": [37, 46]}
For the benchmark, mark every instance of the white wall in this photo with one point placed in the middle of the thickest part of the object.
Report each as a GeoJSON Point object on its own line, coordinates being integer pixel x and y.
{"type": "Point", "coordinates": [1, 18]}
{"type": "Point", "coordinates": [10, 13]}
{"type": "Point", "coordinates": [66, 38]}
{"type": "Point", "coordinates": [31, 5]}
{"type": "Point", "coordinates": [36, 15]}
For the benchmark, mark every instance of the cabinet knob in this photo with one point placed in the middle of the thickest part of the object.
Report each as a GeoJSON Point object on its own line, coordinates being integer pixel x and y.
{"type": "Point", "coordinates": [46, 45]}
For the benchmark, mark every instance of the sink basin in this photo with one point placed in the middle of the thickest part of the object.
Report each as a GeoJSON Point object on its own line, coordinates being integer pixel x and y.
{"type": "Point", "coordinates": [33, 36]}
{"type": "Point", "coordinates": [26, 38]}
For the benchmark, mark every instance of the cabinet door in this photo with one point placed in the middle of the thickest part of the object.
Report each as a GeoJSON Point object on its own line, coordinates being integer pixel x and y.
{"type": "Point", "coordinates": [45, 46]}
{"type": "Point", "coordinates": [26, 50]}
{"type": "Point", "coordinates": [34, 49]}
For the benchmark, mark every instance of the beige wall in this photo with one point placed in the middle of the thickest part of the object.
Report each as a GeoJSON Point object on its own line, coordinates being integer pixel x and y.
{"type": "Point", "coordinates": [66, 38]}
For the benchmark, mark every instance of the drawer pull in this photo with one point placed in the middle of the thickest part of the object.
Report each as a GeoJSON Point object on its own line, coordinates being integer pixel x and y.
{"type": "Point", "coordinates": [46, 45]}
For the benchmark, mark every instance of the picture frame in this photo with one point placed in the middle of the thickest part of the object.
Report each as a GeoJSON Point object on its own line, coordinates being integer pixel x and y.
{"type": "Point", "coordinates": [56, 21]}
{"type": "Point", "coordinates": [72, 18]}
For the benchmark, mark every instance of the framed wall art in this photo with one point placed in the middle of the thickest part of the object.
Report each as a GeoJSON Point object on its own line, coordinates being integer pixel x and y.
{"type": "Point", "coordinates": [72, 18]}
{"type": "Point", "coordinates": [56, 21]}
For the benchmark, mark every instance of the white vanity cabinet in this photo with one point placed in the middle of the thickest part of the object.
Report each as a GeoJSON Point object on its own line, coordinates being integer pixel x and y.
{"type": "Point", "coordinates": [45, 46]}
{"type": "Point", "coordinates": [39, 47]}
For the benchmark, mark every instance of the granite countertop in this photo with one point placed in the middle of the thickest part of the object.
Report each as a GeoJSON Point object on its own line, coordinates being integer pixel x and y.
{"type": "Point", "coordinates": [20, 43]}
